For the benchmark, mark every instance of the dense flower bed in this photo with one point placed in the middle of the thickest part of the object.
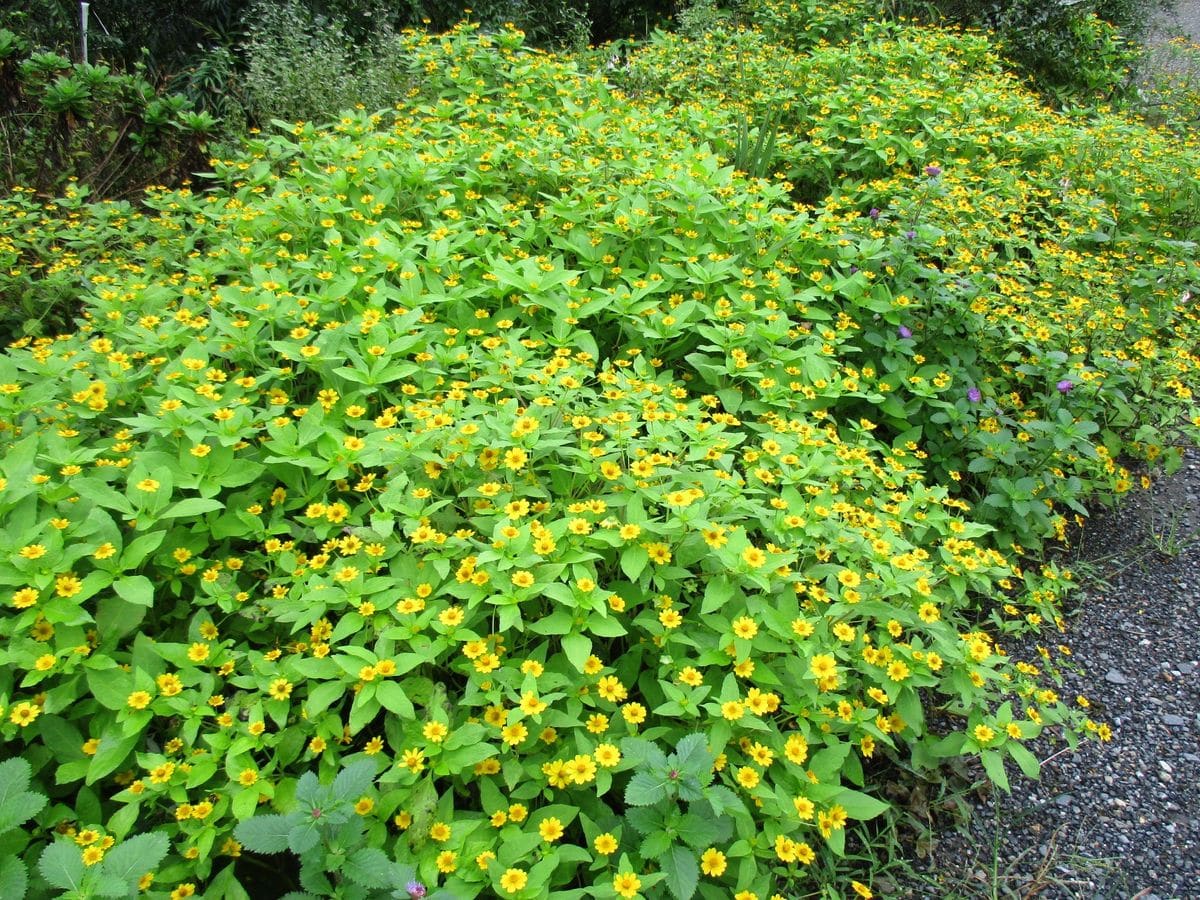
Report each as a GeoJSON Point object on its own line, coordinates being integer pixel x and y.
{"type": "Point", "coordinates": [609, 519]}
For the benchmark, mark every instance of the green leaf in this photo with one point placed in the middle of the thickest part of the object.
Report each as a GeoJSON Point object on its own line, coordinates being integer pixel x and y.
{"type": "Point", "coordinates": [14, 778]}
{"type": "Point", "coordinates": [859, 805]}
{"type": "Point", "coordinates": [354, 780]}
{"type": "Point", "coordinates": [391, 697]}
{"type": "Point", "coordinates": [192, 506]}
{"type": "Point", "coordinates": [633, 561]}
{"type": "Point", "coordinates": [655, 845]}
{"type": "Point", "coordinates": [266, 834]}
{"type": "Point", "coordinates": [1026, 760]}
{"type": "Point", "coordinates": [691, 756]}
{"type": "Point", "coordinates": [644, 789]}
{"type": "Point", "coordinates": [993, 764]}
{"type": "Point", "coordinates": [371, 868]}
{"type": "Point", "coordinates": [303, 836]}
{"type": "Point", "coordinates": [682, 870]}
{"type": "Point", "coordinates": [115, 748]}
{"type": "Point", "coordinates": [13, 879]}
{"type": "Point", "coordinates": [136, 589]}
{"type": "Point", "coordinates": [134, 857]}
{"type": "Point", "coordinates": [62, 865]}
{"type": "Point", "coordinates": [704, 829]}
{"type": "Point", "coordinates": [578, 648]}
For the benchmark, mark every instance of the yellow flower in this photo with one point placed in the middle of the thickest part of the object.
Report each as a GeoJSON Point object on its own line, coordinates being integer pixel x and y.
{"type": "Point", "coordinates": [92, 855]}
{"type": "Point", "coordinates": [149, 485]}
{"type": "Point", "coordinates": [862, 890]}
{"type": "Point", "coordinates": [24, 713]}
{"type": "Point", "coordinates": [733, 710]}
{"type": "Point", "coordinates": [513, 880]}
{"type": "Point", "coordinates": [605, 844]}
{"type": "Point", "coordinates": [138, 700]}
{"type": "Point", "coordinates": [747, 777]}
{"type": "Point", "coordinates": [745, 627]}
{"type": "Point", "coordinates": [626, 884]}
{"type": "Point", "coordinates": [447, 861]}
{"type": "Point", "coordinates": [984, 734]}
{"type": "Point", "coordinates": [712, 862]}
{"type": "Point", "coordinates": [607, 755]}
{"type": "Point", "coordinates": [550, 829]}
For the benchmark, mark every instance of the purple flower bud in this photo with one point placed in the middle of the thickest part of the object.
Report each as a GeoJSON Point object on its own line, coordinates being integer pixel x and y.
{"type": "Point", "coordinates": [910, 234]}
{"type": "Point", "coordinates": [1064, 386]}
{"type": "Point", "coordinates": [933, 171]}
{"type": "Point", "coordinates": [874, 213]}
{"type": "Point", "coordinates": [904, 331]}
{"type": "Point", "coordinates": [416, 890]}
{"type": "Point", "coordinates": [974, 395]}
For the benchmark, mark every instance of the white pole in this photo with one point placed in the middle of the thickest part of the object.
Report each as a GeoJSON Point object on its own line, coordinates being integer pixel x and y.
{"type": "Point", "coordinates": [83, 26]}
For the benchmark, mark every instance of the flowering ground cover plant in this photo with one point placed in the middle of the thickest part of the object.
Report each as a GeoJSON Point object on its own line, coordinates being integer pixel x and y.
{"type": "Point", "coordinates": [545, 508]}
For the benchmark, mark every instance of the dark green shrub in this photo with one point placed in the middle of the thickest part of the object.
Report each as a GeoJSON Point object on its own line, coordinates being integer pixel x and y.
{"type": "Point", "coordinates": [114, 131]}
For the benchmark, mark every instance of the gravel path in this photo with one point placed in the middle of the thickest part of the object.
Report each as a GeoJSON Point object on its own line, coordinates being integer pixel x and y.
{"type": "Point", "coordinates": [1122, 819]}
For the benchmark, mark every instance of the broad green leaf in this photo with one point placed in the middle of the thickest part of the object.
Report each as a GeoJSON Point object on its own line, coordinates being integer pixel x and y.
{"type": "Point", "coordinates": [192, 506]}
{"type": "Point", "coordinates": [645, 789]}
{"type": "Point", "coordinates": [14, 879]}
{"type": "Point", "coordinates": [577, 648]}
{"type": "Point", "coordinates": [135, 856]}
{"type": "Point", "coordinates": [993, 764]}
{"type": "Point", "coordinates": [136, 589]}
{"type": "Point", "coordinates": [371, 868]}
{"type": "Point", "coordinates": [682, 869]}
{"type": "Point", "coordinates": [61, 864]}
{"type": "Point", "coordinates": [266, 833]}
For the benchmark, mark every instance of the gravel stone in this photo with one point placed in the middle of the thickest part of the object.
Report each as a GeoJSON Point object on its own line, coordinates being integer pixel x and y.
{"type": "Point", "coordinates": [1118, 820]}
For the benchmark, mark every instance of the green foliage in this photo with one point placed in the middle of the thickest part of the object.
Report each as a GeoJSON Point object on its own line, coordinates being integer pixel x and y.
{"type": "Point", "coordinates": [18, 805]}
{"type": "Point", "coordinates": [674, 835]}
{"type": "Point", "coordinates": [91, 871]}
{"type": "Point", "coordinates": [66, 122]}
{"type": "Point", "coordinates": [1071, 51]}
{"type": "Point", "coordinates": [301, 66]}
{"type": "Point", "coordinates": [626, 513]}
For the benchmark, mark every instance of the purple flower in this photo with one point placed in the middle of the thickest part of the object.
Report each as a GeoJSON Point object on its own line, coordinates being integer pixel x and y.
{"type": "Point", "coordinates": [910, 234]}
{"type": "Point", "coordinates": [874, 213]}
{"type": "Point", "coordinates": [1064, 386]}
{"type": "Point", "coordinates": [933, 171]}
{"type": "Point", "coordinates": [974, 395]}
{"type": "Point", "coordinates": [904, 331]}
{"type": "Point", "coordinates": [416, 890]}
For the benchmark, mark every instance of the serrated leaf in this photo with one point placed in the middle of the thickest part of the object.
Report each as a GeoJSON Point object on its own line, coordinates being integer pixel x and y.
{"type": "Point", "coordinates": [62, 865]}
{"type": "Point", "coordinates": [354, 780]}
{"type": "Point", "coordinates": [655, 845]}
{"type": "Point", "coordinates": [134, 857]}
{"type": "Point", "coordinates": [704, 829]}
{"type": "Point", "coordinates": [691, 756]}
{"type": "Point", "coordinates": [13, 878]}
{"type": "Point", "coordinates": [371, 868]}
{"type": "Point", "coordinates": [644, 819]}
{"type": "Point", "coordinates": [19, 808]}
{"type": "Point", "coordinates": [14, 778]}
{"type": "Point", "coordinates": [644, 753]}
{"type": "Point", "coordinates": [644, 789]}
{"type": "Point", "coordinates": [266, 834]}
{"type": "Point", "coordinates": [682, 870]}
{"type": "Point", "coordinates": [303, 836]}
{"type": "Point", "coordinates": [723, 800]}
